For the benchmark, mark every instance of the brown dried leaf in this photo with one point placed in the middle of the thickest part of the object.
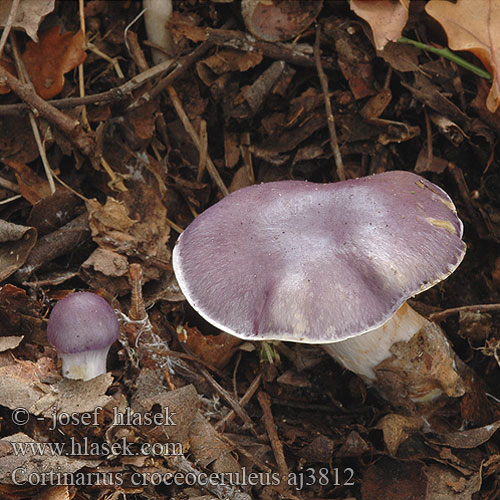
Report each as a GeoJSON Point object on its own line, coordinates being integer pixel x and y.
{"type": "Point", "coordinates": [208, 448]}
{"type": "Point", "coordinates": [277, 21]}
{"type": "Point", "coordinates": [385, 17]}
{"type": "Point", "coordinates": [448, 484]}
{"type": "Point", "coordinates": [397, 428]}
{"type": "Point", "coordinates": [75, 396]}
{"type": "Point", "coordinates": [471, 438]}
{"type": "Point", "coordinates": [48, 60]}
{"type": "Point", "coordinates": [20, 382]}
{"type": "Point", "coordinates": [10, 342]}
{"type": "Point", "coordinates": [216, 350]}
{"type": "Point", "coordinates": [394, 480]}
{"type": "Point", "coordinates": [33, 188]}
{"type": "Point", "coordinates": [33, 464]}
{"type": "Point", "coordinates": [29, 14]}
{"type": "Point", "coordinates": [230, 60]}
{"type": "Point", "coordinates": [473, 25]}
{"type": "Point", "coordinates": [16, 243]}
{"type": "Point", "coordinates": [110, 224]}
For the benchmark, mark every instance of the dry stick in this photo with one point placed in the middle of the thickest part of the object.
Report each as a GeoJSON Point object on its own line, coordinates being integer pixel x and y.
{"type": "Point", "coordinates": [212, 170]}
{"type": "Point", "coordinates": [234, 404]}
{"type": "Point", "coordinates": [288, 52]}
{"type": "Point", "coordinates": [252, 389]}
{"type": "Point", "coordinates": [81, 79]}
{"type": "Point", "coordinates": [55, 244]}
{"type": "Point", "coordinates": [439, 316]}
{"type": "Point", "coordinates": [8, 25]}
{"type": "Point", "coordinates": [23, 73]}
{"type": "Point", "coordinates": [328, 108]}
{"type": "Point", "coordinates": [113, 95]}
{"type": "Point", "coordinates": [277, 446]}
{"type": "Point", "coordinates": [5, 183]}
{"type": "Point", "coordinates": [67, 125]}
{"type": "Point", "coordinates": [203, 151]}
{"type": "Point", "coordinates": [429, 140]}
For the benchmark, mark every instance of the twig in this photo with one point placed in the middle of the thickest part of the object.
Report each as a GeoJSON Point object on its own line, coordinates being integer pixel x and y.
{"type": "Point", "coordinates": [252, 389]}
{"type": "Point", "coordinates": [289, 52]}
{"type": "Point", "coordinates": [439, 316]}
{"type": "Point", "coordinates": [23, 75]}
{"type": "Point", "coordinates": [81, 76]}
{"type": "Point", "coordinates": [246, 155]}
{"type": "Point", "coordinates": [328, 108]}
{"type": "Point", "coordinates": [429, 140]}
{"type": "Point", "coordinates": [203, 151]}
{"type": "Point", "coordinates": [5, 183]}
{"type": "Point", "coordinates": [277, 446]}
{"type": "Point", "coordinates": [8, 200]}
{"type": "Point", "coordinates": [8, 24]}
{"type": "Point", "coordinates": [212, 170]}
{"type": "Point", "coordinates": [447, 54]}
{"type": "Point", "coordinates": [180, 68]}
{"type": "Point", "coordinates": [53, 245]}
{"type": "Point", "coordinates": [114, 95]}
{"type": "Point", "coordinates": [234, 404]}
{"type": "Point", "coordinates": [67, 125]}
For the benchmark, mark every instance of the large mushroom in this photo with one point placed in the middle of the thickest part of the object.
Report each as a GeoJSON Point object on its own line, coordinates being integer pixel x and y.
{"type": "Point", "coordinates": [332, 264]}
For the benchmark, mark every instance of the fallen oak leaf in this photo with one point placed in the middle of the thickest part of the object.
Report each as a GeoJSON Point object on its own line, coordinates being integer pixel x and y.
{"type": "Point", "coordinates": [385, 17]}
{"type": "Point", "coordinates": [472, 25]}
{"type": "Point", "coordinates": [48, 60]}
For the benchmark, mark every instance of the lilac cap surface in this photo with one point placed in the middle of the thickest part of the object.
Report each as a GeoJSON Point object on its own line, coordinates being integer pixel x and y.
{"type": "Point", "coordinates": [317, 263]}
{"type": "Point", "coordinates": [81, 322]}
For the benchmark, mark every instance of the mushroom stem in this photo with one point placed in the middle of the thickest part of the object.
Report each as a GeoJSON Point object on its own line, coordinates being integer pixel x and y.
{"type": "Point", "coordinates": [408, 359]}
{"type": "Point", "coordinates": [84, 365]}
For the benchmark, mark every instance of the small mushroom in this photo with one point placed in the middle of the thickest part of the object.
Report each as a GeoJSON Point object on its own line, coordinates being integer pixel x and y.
{"type": "Point", "coordinates": [332, 264]}
{"type": "Point", "coordinates": [82, 327]}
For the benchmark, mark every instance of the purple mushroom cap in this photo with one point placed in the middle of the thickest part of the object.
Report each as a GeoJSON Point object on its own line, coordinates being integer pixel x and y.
{"type": "Point", "coordinates": [317, 263]}
{"type": "Point", "coordinates": [81, 322]}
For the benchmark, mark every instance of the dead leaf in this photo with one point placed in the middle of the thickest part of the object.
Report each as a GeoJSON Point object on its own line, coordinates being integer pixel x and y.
{"type": "Point", "coordinates": [227, 60]}
{"type": "Point", "coordinates": [20, 382]}
{"type": "Point", "coordinates": [75, 396]}
{"type": "Point", "coordinates": [29, 14]}
{"type": "Point", "coordinates": [385, 17]}
{"type": "Point", "coordinates": [397, 428]}
{"type": "Point", "coordinates": [473, 25]}
{"type": "Point", "coordinates": [208, 448]}
{"type": "Point", "coordinates": [277, 21]}
{"type": "Point", "coordinates": [16, 243]}
{"type": "Point", "coordinates": [354, 446]}
{"type": "Point", "coordinates": [215, 350]}
{"type": "Point", "coordinates": [471, 438]}
{"type": "Point", "coordinates": [34, 463]}
{"type": "Point", "coordinates": [394, 480]}
{"type": "Point", "coordinates": [106, 269]}
{"type": "Point", "coordinates": [401, 57]}
{"type": "Point", "coordinates": [48, 60]}
{"type": "Point", "coordinates": [444, 483]}
{"type": "Point", "coordinates": [33, 188]}
{"type": "Point", "coordinates": [10, 342]}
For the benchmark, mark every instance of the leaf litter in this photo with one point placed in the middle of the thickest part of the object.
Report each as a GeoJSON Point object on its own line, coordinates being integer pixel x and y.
{"type": "Point", "coordinates": [249, 110]}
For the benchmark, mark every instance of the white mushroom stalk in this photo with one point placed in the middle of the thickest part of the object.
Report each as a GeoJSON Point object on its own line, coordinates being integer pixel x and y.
{"type": "Point", "coordinates": [156, 15]}
{"type": "Point", "coordinates": [332, 264]}
{"type": "Point", "coordinates": [402, 340]}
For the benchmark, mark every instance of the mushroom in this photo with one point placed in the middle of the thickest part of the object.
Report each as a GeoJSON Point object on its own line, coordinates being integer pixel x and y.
{"type": "Point", "coordinates": [332, 264]}
{"type": "Point", "coordinates": [82, 327]}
